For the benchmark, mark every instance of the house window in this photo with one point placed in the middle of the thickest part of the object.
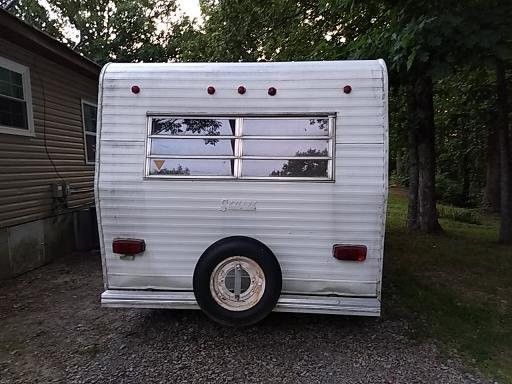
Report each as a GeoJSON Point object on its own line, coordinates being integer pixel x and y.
{"type": "Point", "coordinates": [89, 116]}
{"type": "Point", "coordinates": [15, 99]}
{"type": "Point", "coordinates": [270, 148]}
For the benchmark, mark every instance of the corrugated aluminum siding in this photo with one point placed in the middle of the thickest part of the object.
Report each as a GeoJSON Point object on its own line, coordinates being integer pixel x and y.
{"type": "Point", "coordinates": [26, 172]}
{"type": "Point", "coordinates": [299, 221]}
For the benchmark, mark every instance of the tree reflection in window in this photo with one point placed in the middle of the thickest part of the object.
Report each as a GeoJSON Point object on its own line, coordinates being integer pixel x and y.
{"type": "Point", "coordinates": [323, 124]}
{"type": "Point", "coordinates": [206, 127]}
{"type": "Point", "coordinates": [304, 167]}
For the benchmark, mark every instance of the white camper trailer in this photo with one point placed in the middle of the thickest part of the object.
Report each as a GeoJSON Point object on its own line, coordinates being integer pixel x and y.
{"type": "Point", "coordinates": [242, 188]}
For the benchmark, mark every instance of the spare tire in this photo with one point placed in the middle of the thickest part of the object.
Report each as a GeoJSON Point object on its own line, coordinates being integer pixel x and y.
{"type": "Point", "coordinates": [237, 281]}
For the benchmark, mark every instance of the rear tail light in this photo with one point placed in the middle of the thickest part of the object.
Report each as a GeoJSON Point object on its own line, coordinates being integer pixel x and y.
{"type": "Point", "coordinates": [349, 252]}
{"type": "Point", "coordinates": [128, 246]}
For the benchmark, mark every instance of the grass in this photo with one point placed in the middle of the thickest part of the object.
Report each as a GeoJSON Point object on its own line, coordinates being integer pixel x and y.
{"type": "Point", "coordinates": [463, 215]}
{"type": "Point", "coordinates": [455, 287]}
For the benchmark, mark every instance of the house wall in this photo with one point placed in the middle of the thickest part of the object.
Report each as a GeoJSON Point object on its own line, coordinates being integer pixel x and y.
{"type": "Point", "coordinates": [34, 225]}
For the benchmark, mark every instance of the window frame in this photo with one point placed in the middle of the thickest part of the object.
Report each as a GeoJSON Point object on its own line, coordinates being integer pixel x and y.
{"type": "Point", "coordinates": [238, 150]}
{"type": "Point", "coordinates": [85, 132]}
{"type": "Point", "coordinates": [24, 71]}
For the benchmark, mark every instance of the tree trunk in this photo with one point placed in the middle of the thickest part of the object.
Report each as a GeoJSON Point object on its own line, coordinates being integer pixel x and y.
{"type": "Point", "coordinates": [465, 172]}
{"type": "Point", "coordinates": [504, 149]}
{"type": "Point", "coordinates": [466, 182]}
{"type": "Point", "coordinates": [423, 98]}
{"type": "Point", "coordinates": [491, 201]}
{"type": "Point", "coordinates": [401, 163]}
{"type": "Point", "coordinates": [412, 209]}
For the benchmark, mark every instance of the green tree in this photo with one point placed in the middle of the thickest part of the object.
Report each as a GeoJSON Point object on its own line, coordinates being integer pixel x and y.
{"type": "Point", "coordinates": [119, 30]}
{"type": "Point", "coordinates": [267, 30]}
{"type": "Point", "coordinates": [304, 167]}
{"type": "Point", "coordinates": [111, 30]}
{"type": "Point", "coordinates": [464, 105]}
{"type": "Point", "coordinates": [36, 15]}
{"type": "Point", "coordinates": [423, 42]}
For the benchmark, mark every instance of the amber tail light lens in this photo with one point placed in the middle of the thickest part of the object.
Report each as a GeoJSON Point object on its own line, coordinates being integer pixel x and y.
{"type": "Point", "coordinates": [128, 246]}
{"type": "Point", "coordinates": [349, 252]}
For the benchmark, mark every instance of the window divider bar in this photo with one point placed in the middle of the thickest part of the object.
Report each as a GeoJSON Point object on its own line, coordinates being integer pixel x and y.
{"type": "Point", "coordinates": [237, 171]}
{"type": "Point", "coordinates": [192, 157]}
{"type": "Point", "coordinates": [14, 98]}
{"type": "Point", "coordinates": [238, 137]}
{"type": "Point", "coordinates": [287, 137]}
{"type": "Point", "coordinates": [286, 158]}
{"type": "Point", "coordinates": [209, 137]}
{"type": "Point", "coordinates": [190, 177]}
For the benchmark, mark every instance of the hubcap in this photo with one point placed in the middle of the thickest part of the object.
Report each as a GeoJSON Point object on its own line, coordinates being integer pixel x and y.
{"type": "Point", "coordinates": [237, 283]}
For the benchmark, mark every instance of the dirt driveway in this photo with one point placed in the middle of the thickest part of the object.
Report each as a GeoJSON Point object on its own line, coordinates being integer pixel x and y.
{"type": "Point", "coordinates": [52, 329]}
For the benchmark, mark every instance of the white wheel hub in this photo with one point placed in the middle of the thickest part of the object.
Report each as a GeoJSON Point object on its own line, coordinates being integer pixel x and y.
{"type": "Point", "coordinates": [237, 283]}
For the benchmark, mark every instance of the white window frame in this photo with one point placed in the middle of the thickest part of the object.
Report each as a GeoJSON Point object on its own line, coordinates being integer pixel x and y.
{"type": "Point", "coordinates": [238, 151]}
{"type": "Point", "coordinates": [27, 97]}
{"type": "Point", "coordinates": [87, 133]}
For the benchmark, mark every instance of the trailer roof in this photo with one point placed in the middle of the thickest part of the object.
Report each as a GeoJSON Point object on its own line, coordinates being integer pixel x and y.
{"type": "Point", "coordinates": [295, 66]}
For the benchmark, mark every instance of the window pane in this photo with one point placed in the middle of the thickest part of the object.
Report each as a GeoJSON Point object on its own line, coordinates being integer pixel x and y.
{"type": "Point", "coordinates": [286, 127]}
{"type": "Point", "coordinates": [17, 78]}
{"type": "Point", "coordinates": [287, 148]}
{"type": "Point", "coordinates": [90, 113]}
{"type": "Point", "coordinates": [206, 127]}
{"type": "Point", "coordinates": [191, 167]}
{"type": "Point", "coordinates": [90, 150]}
{"type": "Point", "coordinates": [13, 113]}
{"type": "Point", "coordinates": [5, 88]}
{"type": "Point", "coordinates": [17, 91]}
{"type": "Point", "coordinates": [285, 168]}
{"type": "Point", "coordinates": [193, 147]}
{"type": "Point", "coordinates": [11, 83]}
{"type": "Point", "coordinates": [4, 74]}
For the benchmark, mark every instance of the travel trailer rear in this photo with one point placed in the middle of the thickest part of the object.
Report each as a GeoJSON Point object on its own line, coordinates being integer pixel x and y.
{"type": "Point", "coordinates": [242, 188]}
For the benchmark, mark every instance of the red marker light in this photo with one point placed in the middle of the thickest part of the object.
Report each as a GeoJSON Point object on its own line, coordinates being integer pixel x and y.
{"type": "Point", "coordinates": [128, 246]}
{"type": "Point", "coordinates": [241, 90]}
{"type": "Point", "coordinates": [349, 252]}
{"type": "Point", "coordinates": [272, 91]}
{"type": "Point", "coordinates": [210, 90]}
{"type": "Point", "coordinates": [347, 89]}
{"type": "Point", "coordinates": [135, 89]}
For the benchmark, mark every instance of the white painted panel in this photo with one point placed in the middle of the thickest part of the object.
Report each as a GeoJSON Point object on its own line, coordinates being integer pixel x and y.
{"type": "Point", "coordinates": [299, 221]}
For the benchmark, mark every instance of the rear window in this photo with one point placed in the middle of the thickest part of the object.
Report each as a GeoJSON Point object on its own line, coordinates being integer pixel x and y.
{"type": "Point", "coordinates": [269, 148]}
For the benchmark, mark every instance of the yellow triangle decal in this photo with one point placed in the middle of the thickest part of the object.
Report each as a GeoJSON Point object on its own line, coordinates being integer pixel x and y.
{"type": "Point", "coordinates": [159, 163]}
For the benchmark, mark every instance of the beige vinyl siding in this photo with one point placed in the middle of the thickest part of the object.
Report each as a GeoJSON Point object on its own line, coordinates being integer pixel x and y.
{"type": "Point", "coordinates": [26, 173]}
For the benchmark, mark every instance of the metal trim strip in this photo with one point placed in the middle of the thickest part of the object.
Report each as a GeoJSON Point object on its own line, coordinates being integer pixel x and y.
{"type": "Point", "coordinates": [358, 306]}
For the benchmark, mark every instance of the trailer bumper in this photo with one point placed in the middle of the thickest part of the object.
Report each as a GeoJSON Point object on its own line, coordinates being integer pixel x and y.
{"type": "Point", "coordinates": [356, 306]}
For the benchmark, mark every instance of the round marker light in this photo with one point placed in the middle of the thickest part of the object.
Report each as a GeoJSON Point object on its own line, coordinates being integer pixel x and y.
{"type": "Point", "coordinates": [135, 89]}
{"type": "Point", "coordinates": [241, 90]}
{"type": "Point", "coordinates": [347, 89]}
{"type": "Point", "coordinates": [272, 91]}
{"type": "Point", "coordinates": [210, 90]}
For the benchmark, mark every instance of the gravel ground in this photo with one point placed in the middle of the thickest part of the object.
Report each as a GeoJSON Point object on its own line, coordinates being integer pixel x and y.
{"type": "Point", "coordinates": [53, 330]}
